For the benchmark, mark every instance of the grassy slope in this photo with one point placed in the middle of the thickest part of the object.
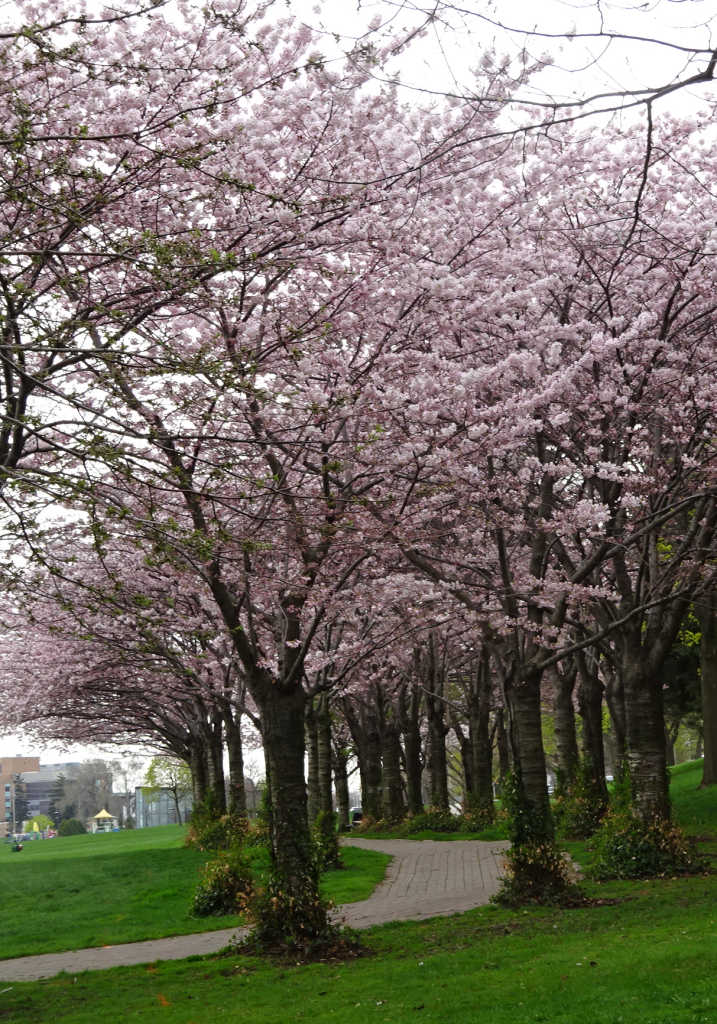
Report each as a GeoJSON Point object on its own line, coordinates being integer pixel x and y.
{"type": "Point", "coordinates": [649, 960]}
{"type": "Point", "coordinates": [123, 887]}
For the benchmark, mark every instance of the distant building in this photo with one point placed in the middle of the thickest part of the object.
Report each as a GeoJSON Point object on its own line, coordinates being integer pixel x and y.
{"type": "Point", "coordinates": [9, 768]}
{"type": "Point", "coordinates": [158, 808]}
{"type": "Point", "coordinates": [38, 785]}
{"type": "Point", "coordinates": [37, 782]}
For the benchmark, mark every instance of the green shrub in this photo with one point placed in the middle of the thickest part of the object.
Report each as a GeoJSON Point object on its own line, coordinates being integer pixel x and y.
{"type": "Point", "coordinates": [292, 919]}
{"type": "Point", "coordinates": [442, 822]}
{"type": "Point", "coordinates": [129, 822]}
{"type": "Point", "coordinates": [326, 841]}
{"type": "Point", "coordinates": [579, 810]}
{"type": "Point", "coordinates": [537, 874]}
{"type": "Point", "coordinates": [627, 847]}
{"type": "Point", "coordinates": [209, 832]}
{"type": "Point", "coordinates": [225, 886]}
{"type": "Point", "coordinates": [257, 833]}
{"type": "Point", "coordinates": [71, 827]}
{"type": "Point", "coordinates": [431, 821]}
{"type": "Point", "coordinates": [578, 817]}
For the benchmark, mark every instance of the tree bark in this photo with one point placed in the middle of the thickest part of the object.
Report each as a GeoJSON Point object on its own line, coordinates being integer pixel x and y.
{"type": "Point", "coordinates": [590, 694]}
{"type": "Point", "coordinates": [312, 777]}
{"type": "Point", "coordinates": [412, 751]}
{"type": "Point", "coordinates": [615, 697]}
{"type": "Point", "coordinates": [339, 762]}
{"type": "Point", "coordinates": [235, 750]}
{"type": "Point", "coordinates": [177, 808]}
{"type": "Point", "coordinates": [391, 727]}
{"type": "Point", "coordinates": [393, 806]}
{"type": "Point", "coordinates": [706, 611]}
{"type": "Point", "coordinates": [198, 768]}
{"type": "Point", "coordinates": [215, 765]}
{"type": "Point", "coordinates": [645, 732]}
{"type": "Point", "coordinates": [282, 717]}
{"type": "Point", "coordinates": [476, 747]}
{"type": "Point", "coordinates": [501, 734]}
{"type": "Point", "coordinates": [366, 735]}
{"type": "Point", "coordinates": [436, 764]}
{"type": "Point", "coordinates": [323, 755]}
{"type": "Point", "coordinates": [563, 678]}
{"type": "Point", "coordinates": [526, 744]}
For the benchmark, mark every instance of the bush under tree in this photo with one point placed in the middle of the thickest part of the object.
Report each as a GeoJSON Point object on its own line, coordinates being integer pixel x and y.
{"type": "Point", "coordinates": [71, 827]}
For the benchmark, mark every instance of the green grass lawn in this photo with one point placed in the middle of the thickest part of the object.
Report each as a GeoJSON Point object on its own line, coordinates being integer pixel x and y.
{"type": "Point", "coordinates": [648, 960]}
{"type": "Point", "coordinates": [117, 887]}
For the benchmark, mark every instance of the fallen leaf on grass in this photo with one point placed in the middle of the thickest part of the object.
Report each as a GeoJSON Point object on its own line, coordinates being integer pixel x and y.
{"type": "Point", "coordinates": [163, 1001]}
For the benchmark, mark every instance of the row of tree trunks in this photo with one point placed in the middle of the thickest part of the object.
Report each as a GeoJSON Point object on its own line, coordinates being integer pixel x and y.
{"type": "Point", "coordinates": [476, 744]}
{"type": "Point", "coordinates": [590, 698]}
{"type": "Point", "coordinates": [413, 749]}
{"type": "Point", "coordinates": [312, 772]}
{"type": "Point", "coordinates": [563, 677]}
{"type": "Point", "coordinates": [706, 612]}
{"type": "Point", "coordinates": [362, 721]}
{"type": "Point", "coordinates": [340, 755]}
{"type": "Point", "coordinates": [235, 751]}
{"type": "Point", "coordinates": [202, 748]}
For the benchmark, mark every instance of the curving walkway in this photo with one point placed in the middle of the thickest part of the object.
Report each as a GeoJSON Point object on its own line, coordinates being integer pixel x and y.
{"type": "Point", "coordinates": [424, 879]}
{"type": "Point", "coordinates": [427, 878]}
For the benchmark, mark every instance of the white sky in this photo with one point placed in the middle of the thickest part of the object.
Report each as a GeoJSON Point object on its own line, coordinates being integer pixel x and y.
{"type": "Point", "coordinates": [441, 60]}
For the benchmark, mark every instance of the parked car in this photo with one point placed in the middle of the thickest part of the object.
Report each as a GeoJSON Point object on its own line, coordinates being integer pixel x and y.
{"type": "Point", "coordinates": [355, 817]}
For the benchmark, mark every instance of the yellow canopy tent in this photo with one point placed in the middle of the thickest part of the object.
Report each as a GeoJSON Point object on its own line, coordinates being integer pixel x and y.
{"type": "Point", "coordinates": [103, 822]}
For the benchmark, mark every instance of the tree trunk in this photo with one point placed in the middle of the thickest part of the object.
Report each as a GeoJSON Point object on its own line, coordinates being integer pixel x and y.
{"type": "Point", "coordinates": [590, 693]}
{"type": "Point", "coordinates": [215, 766]}
{"type": "Point", "coordinates": [237, 790]}
{"type": "Point", "coordinates": [323, 755]}
{"type": "Point", "coordinates": [339, 762]}
{"type": "Point", "coordinates": [436, 763]}
{"type": "Point", "coordinates": [479, 733]}
{"type": "Point", "coordinates": [366, 735]}
{"type": "Point", "coordinates": [312, 749]}
{"type": "Point", "coordinates": [412, 750]}
{"type": "Point", "coordinates": [478, 752]}
{"type": "Point", "coordinates": [615, 697]}
{"type": "Point", "coordinates": [501, 734]}
{"type": "Point", "coordinates": [176, 806]}
{"type": "Point", "coordinates": [467, 766]}
{"type": "Point", "coordinates": [670, 737]}
{"type": "Point", "coordinates": [282, 719]}
{"type": "Point", "coordinates": [706, 610]}
{"type": "Point", "coordinates": [526, 744]}
{"type": "Point", "coordinates": [566, 741]}
{"type": "Point", "coordinates": [330, 849]}
{"type": "Point", "coordinates": [198, 768]}
{"type": "Point", "coordinates": [645, 732]}
{"type": "Point", "coordinates": [393, 805]}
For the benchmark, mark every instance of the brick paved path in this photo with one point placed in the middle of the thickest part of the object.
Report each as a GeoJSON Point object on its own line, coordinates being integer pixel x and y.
{"type": "Point", "coordinates": [424, 879]}
{"type": "Point", "coordinates": [427, 879]}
